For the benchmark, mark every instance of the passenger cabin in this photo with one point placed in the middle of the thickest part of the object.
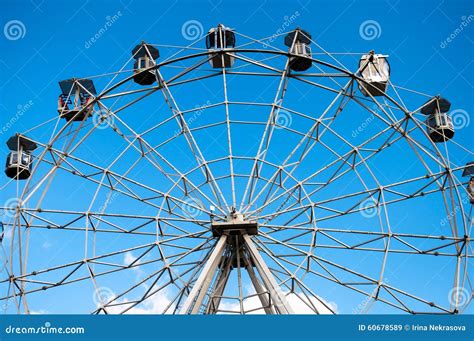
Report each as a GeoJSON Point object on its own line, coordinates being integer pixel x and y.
{"type": "Point", "coordinates": [75, 98]}
{"type": "Point", "coordinates": [438, 123]}
{"type": "Point", "coordinates": [145, 56]}
{"type": "Point", "coordinates": [375, 71]}
{"type": "Point", "coordinates": [217, 40]}
{"type": "Point", "coordinates": [19, 161]}
{"type": "Point", "coordinates": [298, 43]}
{"type": "Point", "coordinates": [469, 173]}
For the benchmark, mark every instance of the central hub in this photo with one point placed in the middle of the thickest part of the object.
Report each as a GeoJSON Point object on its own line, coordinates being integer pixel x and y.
{"type": "Point", "coordinates": [234, 224]}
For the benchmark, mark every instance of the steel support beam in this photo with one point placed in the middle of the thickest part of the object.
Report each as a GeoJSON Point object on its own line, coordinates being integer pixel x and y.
{"type": "Point", "coordinates": [194, 300]}
{"type": "Point", "coordinates": [219, 257]}
{"type": "Point", "coordinates": [266, 303]}
{"type": "Point", "coordinates": [276, 294]}
{"type": "Point", "coordinates": [219, 287]}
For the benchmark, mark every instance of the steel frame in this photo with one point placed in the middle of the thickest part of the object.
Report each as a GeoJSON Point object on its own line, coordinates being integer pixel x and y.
{"type": "Point", "coordinates": [200, 286]}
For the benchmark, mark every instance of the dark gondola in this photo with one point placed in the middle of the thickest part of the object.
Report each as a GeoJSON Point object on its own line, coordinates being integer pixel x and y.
{"type": "Point", "coordinates": [19, 161]}
{"type": "Point", "coordinates": [469, 173]}
{"type": "Point", "coordinates": [299, 42]}
{"type": "Point", "coordinates": [217, 39]}
{"type": "Point", "coordinates": [75, 98]}
{"type": "Point", "coordinates": [439, 125]}
{"type": "Point", "coordinates": [145, 56]}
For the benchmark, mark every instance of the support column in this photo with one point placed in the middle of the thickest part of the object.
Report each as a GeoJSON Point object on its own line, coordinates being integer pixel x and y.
{"type": "Point", "coordinates": [276, 294]}
{"type": "Point", "coordinates": [266, 303]}
{"type": "Point", "coordinates": [220, 284]}
{"type": "Point", "coordinates": [220, 263]}
{"type": "Point", "coordinates": [194, 300]}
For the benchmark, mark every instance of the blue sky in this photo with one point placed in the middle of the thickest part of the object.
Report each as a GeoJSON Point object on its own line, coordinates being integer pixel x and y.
{"type": "Point", "coordinates": [429, 52]}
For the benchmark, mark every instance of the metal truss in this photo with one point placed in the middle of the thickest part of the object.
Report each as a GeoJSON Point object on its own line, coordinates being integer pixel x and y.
{"type": "Point", "coordinates": [172, 185]}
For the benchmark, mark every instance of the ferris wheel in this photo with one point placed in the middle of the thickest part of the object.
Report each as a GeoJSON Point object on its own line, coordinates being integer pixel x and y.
{"type": "Point", "coordinates": [239, 175]}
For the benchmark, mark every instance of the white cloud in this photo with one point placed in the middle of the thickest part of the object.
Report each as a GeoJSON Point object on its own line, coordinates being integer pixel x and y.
{"type": "Point", "coordinates": [128, 258]}
{"type": "Point", "coordinates": [155, 304]}
{"type": "Point", "coordinates": [7, 234]}
{"type": "Point", "coordinates": [294, 300]}
{"type": "Point", "coordinates": [299, 307]}
{"type": "Point", "coordinates": [39, 312]}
